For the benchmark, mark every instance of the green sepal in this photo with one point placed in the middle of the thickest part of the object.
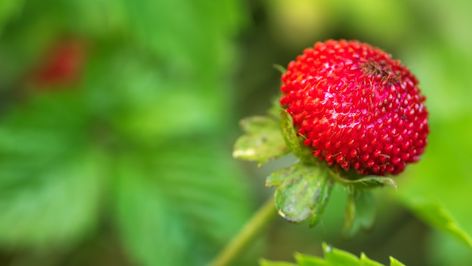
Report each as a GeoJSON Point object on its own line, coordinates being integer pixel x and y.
{"type": "Point", "coordinates": [296, 146]}
{"type": "Point", "coordinates": [262, 140]}
{"type": "Point", "coordinates": [303, 189]}
{"type": "Point", "coordinates": [294, 141]}
{"type": "Point", "coordinates": [302, 192]}
{"type": "Point", "coordinates": [363, 182]}
{"type": "Point", "coordinates": [360, 210]}
{"type": "Point", "coordinates": [275, 108]}
{"type": "Point", "coordinates": [280, 68]}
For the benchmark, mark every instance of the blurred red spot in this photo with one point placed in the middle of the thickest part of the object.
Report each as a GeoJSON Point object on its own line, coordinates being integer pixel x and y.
{"type": "Point", "coordinates": [62, 64]}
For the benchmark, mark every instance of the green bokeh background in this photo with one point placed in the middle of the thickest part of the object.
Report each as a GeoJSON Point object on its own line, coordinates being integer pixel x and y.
{"type": "Point", "coordinates": [130, 163]}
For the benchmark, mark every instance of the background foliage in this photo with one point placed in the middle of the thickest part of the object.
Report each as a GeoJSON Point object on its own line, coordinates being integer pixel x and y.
{"type": "Point", "coordinates": [117, 120]}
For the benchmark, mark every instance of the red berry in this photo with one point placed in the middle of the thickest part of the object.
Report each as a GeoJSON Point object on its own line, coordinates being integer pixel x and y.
{"type": "Point", "coordinates": [62, 64]}
{"type": "Point", "coordinates": [356, 107]}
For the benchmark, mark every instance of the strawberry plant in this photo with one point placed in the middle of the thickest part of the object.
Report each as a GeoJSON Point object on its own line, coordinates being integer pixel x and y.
{"type": "Point", "coordinates": [352, 116]}
{"type": "Point", "coordinates": [118, 120]}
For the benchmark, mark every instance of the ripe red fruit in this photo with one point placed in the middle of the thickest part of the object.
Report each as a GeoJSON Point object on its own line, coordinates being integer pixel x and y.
{"type": "Point", "coordinates": [356, 107]}
{"type": "Point", "coordinates": [61, 65]}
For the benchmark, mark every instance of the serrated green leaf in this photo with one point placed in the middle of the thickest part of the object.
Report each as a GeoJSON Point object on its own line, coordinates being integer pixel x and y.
{"type": "Point", "coordinates": [333, 257]}
{"type": "Point", "coordinates": [261, 142]}
{"type": "Point", "coordinates": [293, 141]}
{"type": "Point", "coordinates": [360, 211]}
{"type": "Point", "coordinates": [304, 260]}
{"type": "Point", "coordinates": [178, 200]}
{"type": "Point", "coordinates": [366, 261]}
{"type": "Point", "coordinates": [339, 257]}
{"type": "Point", "coordinates": [395, 262]}
{"type": "Point", "coordinates": [302, 192]}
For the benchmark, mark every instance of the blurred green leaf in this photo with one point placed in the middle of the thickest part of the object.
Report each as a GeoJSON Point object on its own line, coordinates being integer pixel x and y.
{"type": "Point", "coordinates": [332, 257]}
{"type": "Point", "coordinates": [302, 192]}
{"type": "Point", "coordinates": [442, 61]}
{"type": "Point", "coordinates": [156, 71]}
{"type": "Point", "coordinates": [57, 206]}
{"type": "Point", "coordinates": [392, 19]}
{"type": "Point", "coordinates": [446, 250]}
{"type": "Point", "coordinates": [51, 180]}
{"type": "Point", "coordinates": [173, 203]}
{"type": "Point", "coordinates": [147, 105]}
{"type": "Point", "coordinates": [261, 142]}
{"type": "Point", "coordinates": [445, 82]}
{"type": "Point", "coordinates": [184, 76]}
{"type": "Point", "coordinates": [8, 9]}
{"type": "Point", "coordinates": [450, 25]}
{"type": "Point", "coordinates": [156, 27]}
{"type": "Point", "coordinates": [438, 217]}
{"type": "Point", "coordinates": [434, 189]}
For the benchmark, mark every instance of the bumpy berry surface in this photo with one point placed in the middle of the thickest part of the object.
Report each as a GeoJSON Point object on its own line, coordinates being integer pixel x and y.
{"type": "Point", "coordinates": [356, 107]}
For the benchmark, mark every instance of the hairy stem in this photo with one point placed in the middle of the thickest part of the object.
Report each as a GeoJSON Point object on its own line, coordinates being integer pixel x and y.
{"type": "Point", "coordinates": [247, 234]}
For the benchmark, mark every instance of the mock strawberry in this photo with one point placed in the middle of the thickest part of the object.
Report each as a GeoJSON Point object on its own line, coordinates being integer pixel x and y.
{"type": "Point", "coordinates": [356, 107]}
{"type": "Point", "coordinates": [62, 64]}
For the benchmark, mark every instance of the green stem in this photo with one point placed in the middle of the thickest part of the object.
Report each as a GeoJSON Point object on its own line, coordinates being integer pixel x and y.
{"type": "Point", "coordinates": [247, 234]}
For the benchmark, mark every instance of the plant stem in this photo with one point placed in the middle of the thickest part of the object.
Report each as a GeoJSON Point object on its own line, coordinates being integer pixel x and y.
{"type": "Point", "coordinates": [247, 234]}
